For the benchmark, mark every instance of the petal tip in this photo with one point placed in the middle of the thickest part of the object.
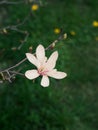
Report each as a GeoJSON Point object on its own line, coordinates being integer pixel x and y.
{"type": "Point", "coordinates": [45, 81]}
{"type": "Point", "coordinates": [40, 46]}
{"type": "Point", "coordinates": [26, 75]}
{"type": "Point", "coordinates": [28, 54]}
{"type": "Point", "coordinates": [44, 86]}
{"type": "Point", "coordinates": [65, 75]}
{"type": "Point", "coordinates": [56, 52]}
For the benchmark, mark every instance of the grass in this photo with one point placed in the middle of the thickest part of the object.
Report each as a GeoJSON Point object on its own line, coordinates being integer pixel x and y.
{"type": "Point", "coordinates": [68, 104]}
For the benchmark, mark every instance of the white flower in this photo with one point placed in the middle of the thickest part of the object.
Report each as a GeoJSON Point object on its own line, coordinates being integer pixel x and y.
{"type": "Point", "coordinates": [45, 67]}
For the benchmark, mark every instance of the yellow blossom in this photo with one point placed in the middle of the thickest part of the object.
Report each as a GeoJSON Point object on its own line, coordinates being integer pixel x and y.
{"type": "Point", "coordinates": [35, 7]}
{"type": "Point", "coordinates": [57, 30]}
{"type": "Point", "coordinates": [95, 23]}
{"type": "Point", "coordinates": [72, 32]}
{"type": "Point", "coordinates": [5, 31]}
{"type": "Point", "coordinates": [96, 38]}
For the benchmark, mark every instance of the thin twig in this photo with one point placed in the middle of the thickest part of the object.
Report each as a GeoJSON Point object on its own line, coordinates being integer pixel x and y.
{"type": "Point", "coordinates": [16, 73]}
{"type": "Point", "coordinates": [52, 45]}
{"type": "Point", "coordinates": [14, 66]}
{"type": "Point", "coordinates": [25, 39]}
{"type": "Point", "coordinates": [14, 27]}
{"type": "Point", "coordinates": [10, 2]}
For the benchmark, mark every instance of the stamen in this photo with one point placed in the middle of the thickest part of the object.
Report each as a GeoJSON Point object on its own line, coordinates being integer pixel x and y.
{"type": "Point", "coordinates": [42, 72]}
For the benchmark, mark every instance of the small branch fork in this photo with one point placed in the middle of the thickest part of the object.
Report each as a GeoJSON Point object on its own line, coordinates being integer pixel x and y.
{"type": "Point", "coordinates": [16, 28]}
{"type": "Point", "coordinates": [10, 73]}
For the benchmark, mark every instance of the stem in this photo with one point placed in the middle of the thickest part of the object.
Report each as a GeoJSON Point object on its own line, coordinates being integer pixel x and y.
{"type": "Point", "coordinates": [14, 27]}
{"type": "Point", "coordinates": [14, 72]}
{"type": "Point", "coordinates": [16, 65]}
{"type": "Point", "coordinates": [10, 2]}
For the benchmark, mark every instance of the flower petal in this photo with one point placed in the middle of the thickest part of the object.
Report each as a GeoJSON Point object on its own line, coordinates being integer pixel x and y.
{"type": "Point", "coordinates": [31, 74]}
{"type": "Point", "coordinates": [45, 81]}
{"type": "Point", "coordinates": [40, 53]}
{"type": "Point", "coordinates": [33, 59]}
{"type": "Point", "coordinates": [57, 74]}
{"type": "Point", "coordinates": [45, 59]}
{"type": "Point", "coordinates": [52, 61]}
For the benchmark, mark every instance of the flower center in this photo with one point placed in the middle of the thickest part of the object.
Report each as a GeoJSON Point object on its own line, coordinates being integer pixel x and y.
{"type": "Point", "coordinates": [42, 72]}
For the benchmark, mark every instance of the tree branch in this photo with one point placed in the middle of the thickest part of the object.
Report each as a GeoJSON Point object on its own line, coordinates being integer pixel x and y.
{"type": "Point", "coordinates": [10, 2]}
{"type": "Point", "coordinates": [9, 71]}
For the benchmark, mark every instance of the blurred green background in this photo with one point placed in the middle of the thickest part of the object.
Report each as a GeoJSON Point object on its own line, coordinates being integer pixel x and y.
{"type": "Point", "coordinates": [67, 104]}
